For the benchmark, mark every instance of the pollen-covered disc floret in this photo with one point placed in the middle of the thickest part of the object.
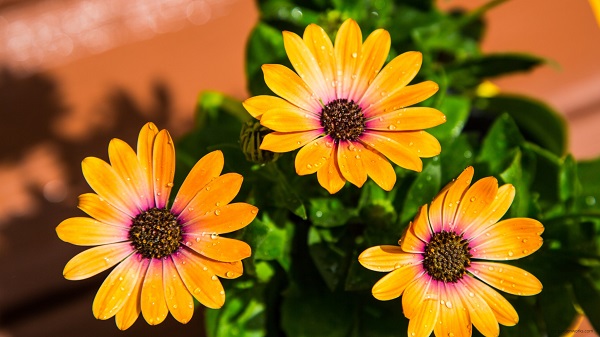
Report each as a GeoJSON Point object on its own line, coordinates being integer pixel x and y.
{"type": "Point", "coordinates": [343, 120]}
{"type": "Point", "coordinates": [155, 233]}
{"type": "Point", "coordinates": [446, 256]}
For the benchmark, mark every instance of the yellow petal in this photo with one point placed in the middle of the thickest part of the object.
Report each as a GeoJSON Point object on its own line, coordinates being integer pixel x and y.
{"type": "Point", "coordinates": [290, 120]}
{"type": "Point", "coordinates": [507, 278]}
{"type": "Point", "coordinates": [127, 166]}
{"type": "Point", "coordinates": [396, 152]}
{"type": "Point", "coordinates": [508, 240]}
{"type": "Point", "coordinates": [131, 309]}
{"type": "Point", "coordinates": [119, 286]}
{"type": "Point", "coordinates": [290, 87]}
{"type": "Point", "coordinates": [420, 226]}
{"type": "Point", "coordinates": [406, 119]}
{"type": "Point", "coordinates": [154, 306]}
{"type": "Point", "coordinates": [348, 44]}
{"type": "Point", "coordinates": [387, 258]}
{"type": "Point", "coordinates": [96, 260]}
{"type": "Point", "coordinates": [103, 179]}
{"type": "Point", "coordinates": [503, 310]}
{"type": "Point", "coordinates": [258, 105]}
{"type": "Point", "coordinates": [329, 175]}
{"type": "Point", "coordinates": [474, 202]}
{"type": "Point", "coordinates": [145, 147]}
{"type": "Point", "coordinates": [217, 248]}
{"type": "Point", "coordinates": [102, 211]}
{"type": "Point", "coordinates": [453, 319]}
{"type": "Point", "coordinates": [351, 163]}
{"type": "Point", "coordinates": [89, 232]}
{"type": "Point", "coordinates": [206, 169]}
{"type": "Point", "coordinates": [229, 218]}
{"type": "Point", "coordinates": [229, 270]}
{"type": "Point", "coordinates": [393, 284]}
{"type": "Point", "coordinates": [373, 54]}
{"type": "Point", "coordinates": [454, 197]}
{"type": "Point", "coordinates": [163, 168]}
{"type": "Point", "coordinates": [321, 48]}
{"type": "Point", "coordinates": [201, 282]}
{"type": "Point", "coordinates": [402, 97]}
{"type": "Point", "coordinates": [490, 215]}
{"type": "Point", "coordinates": [288, 141]}
{"type": "Point", "coordinates": [409, 242]}
{"type": "Point", "coordinates": [481, 314]}
{"type": "Point", "coordinates": [423, 289]}
{"type": "Point", "coordinates": [420, 143]}
{"type": "Point", "coordinates": [379, 169]}
{"type": "Point", "coordinates": [178, 298]}
{"type": "Point", "coordinates": [436, 211]}
{"type": "Point", "coordinates": [425, 308]}
{"type": "Point", "coordinates": [314, 155]}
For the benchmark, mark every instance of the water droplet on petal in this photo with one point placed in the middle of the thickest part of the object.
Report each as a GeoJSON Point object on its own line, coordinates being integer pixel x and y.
{"type": "Point", "coordinates": [449, 305]}
{"type": "Point", "coordinates": [217, 211]}
{"type": "Point", "coordinates": [473, 199]}
{"type": "Point", "coordinates": [214, 277]}
{"type": "Point", "coordinates": [391, 127]}
{"type": "Point", "coordinates": [214, 236]}
{"type": "Point", "coordinates": [354, 55]}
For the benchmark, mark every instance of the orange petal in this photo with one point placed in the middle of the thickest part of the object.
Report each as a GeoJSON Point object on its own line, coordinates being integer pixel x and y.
{"type": "Point", "coordinates": [229, 270]}
{"type": "Point", "coordinates": [402, 97]}
{"type": "Point", "coordinates": [393, 284]}
{"type": "Point", "coordinates": [329, 175]}
{"type": "Point", "coordinates": [145, 147]}
{"type": "Point", "coordinates": [475, 200]}
{"type": "Point", "coordinates": [154, 306]}
{"type": "Point", "coordinates": [348, 42]}
{"type": "Point", "coordinates": [351, 162]}
{"type": "Point", "coordinates": [454, 197]}
{"type": "Point", "coordinates": [306, 65]}
{"type": "Point", "coordinates": [387, 258]}
{"type": "Point", "coordinates": [201, 282]}
{"type": "Point", "coordinates": [215, 194]}
{"type": "Point", "coordinates": [373, 54]}
{"type": "Point", "coordinates": [103, 179]}
{"type": "Point", "coordinates": [178, 298]}
{"type": "Point", "coordinates": [102, 211]}
{"type": "Point", "coordinates": [421, 225]}
{"type": "Point", "coordinates": [258, 105]}
{"type": "Point", "coordinates": [481, 314]}
{"type": "Point", "coordinates": [453, 319]}
{"type": "Point", "coordinates": [507, 278]}
{"type": "Point", "coordinates": [127, 166]}
{"type": "Point", "coordinates": [131, 309]}
{"type": "Point", "coordinates": [424, 307]}
{"type": "Point", "coordinates": [396, 152]}
{"type": "Point", "coordinates": [288, 141]}
{"type": "Point", "coordinates": [493, 213]}
{"type": "Point", "coordinates": [229, 218]}
{"type": "Point", "coordinates": [218, 248]}
{"type": "Point", "coordinates": [163, 167]}
{"type": "Point", "coordinates": [314, 155]}
{"type": "Point", "coordinates": [290, 87]}
{"type": "Point", "coordinates": [436, 211]}
{"type": "Point", "coordinates": [379, 169]}
{"type": "Point", "coordinates": [508, 240]}
{"type": "Point", "coordinates": [420, 143]}
{"type": "Point", "coordinates": [290, 120]}
{"type": "Point", "coordinates": [503, 310]}
{"type": "Point", "coordinates": [89, 232]}
{"type": "Point", "coordinates": [206, 169]}
{"type": "Point", "coordinates": [321, 48]}
{"type": "Point", "coordinates": [119, 286]}
{"type": "Point", "coordinates": [96, 260]}
{"type": "Point", "coordinates": [406, 119]}
{"type": "Point", "coordinates": [409, 242]}
{"type": "Point", "coordinates": [394, 76]}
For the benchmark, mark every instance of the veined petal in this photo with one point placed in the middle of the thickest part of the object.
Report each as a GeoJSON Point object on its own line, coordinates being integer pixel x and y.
{"type": "Point", "coordinates": [387, 258]}
{"type": "Point", "coordinates": [306, 65]}
{"type": "Point", "coordinates": [288, 141]}
{"type": "Point", "coordinates": [118, 286]}
{"type": "Point", "coordinates": [201, 282]}
{"type": "Point", "coordinates": [103, 179]}
{"type": "Point", "coordinates": [406, 119]}
{"type": "Point", "coordinates": [373, 54]}
{"type": "Point", "coordinates": [503, 310]}
{"type": "Point", "coordinates": [96, 260]}
{"type": "Point", "coordinates": [145, 148]}
{"type": "Point", "coordinates": [507, 278]}
{"type": "Point", "coordinates": [453, 319]}
{"type": "Point", "coordinates": [163, 168]}
{"type": "Point", "coordinates": [229, 270]}
{"type": "Point", "coordinates": [436, 211]}
{"type": "Point", "coordinates": [217, 248]}
{"type": "Point", "coordinates": [477, 198]}
{"type": "Point", "coordinates": [421, 307]}
{"type": "Point", "coordinates": [348, 44]}
{"type": "Point", "coordinates": [89, 232]}
{"type": "Point", "coordinates": [491, 214]}
{"type": "Point", "coordinates": [314, 155]}
{"type": "Point", "coordinates": [454, 197]}
{"type": "Point", "coordinates": [409, 242]}
{"type": "Point", "coordinates": [127, 166]}
{"type": "Point", "coordinates": [229, 218]}
{"type": "Point", "coordinates": [258, 105]}
{"type": "Point", "coordinates": [102, 211]}
{"type": "Point", "coordinates": [351, 162]}
{"type": "Point", "coordinates": [215, 194]}
{"type": "Point", "coordinates": [329, 175]}
{"type": "Point", "coordinates": [394, 76]}
{"type": "Point", "coordinates": [401, 97]}
{"type": "Point", "coordinates": [178, 298]}
{"type": "Point", "coordinates": [396, 152]}
{"type": "Point", "coordinates": [508, 240]}
{"type": "Point", "coordinates": [131, 309]}
{"type": "Point", "coordinates": [420, 143]}
{"type": "Point", "coordinates": [393, 284]}
{"type": "Point", "coordinates": [320, 46]}
{"type": "Point", "coordinates": [290, 120]}
{"type": "Point", "coordinates": [154, 306]}
{"type": "Point", "coordinates": [379, 169]}
{"type": "Point", "coordinates": [206, 169]}
{"type": "Point", "coordinates": [290, 87]}
{"type": "Point", "coordinates": [481, 314]}
{"type": "Point", "coordinates": [421, 224]}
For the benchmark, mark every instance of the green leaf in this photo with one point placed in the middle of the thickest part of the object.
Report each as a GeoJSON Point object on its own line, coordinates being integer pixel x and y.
{"type": "Point", "coordinates": [587, 293]}
{"type": "Point", "coordinates": [331, 259]}
{"type": "Point", "coordinates": [455, 157]}
{"type": "Point", "coordinates": [284, 194]}
{"type": "Point", "coordinates": [268, 240]}
{"type": "Point", "coordinates": [329, 212]}
{"type": "Point", "coordinates": [568, 182]}
{"type": "Point", "coordinates": [496, 147]}
{"type": "Point", "coordinates": [456, 109]}
{"type": "Point", "coordinates": [422, 191]}
{"type": "Point", "coordinates": [265, 46]}
{"type": "Point", "coordinates": [243, 314]}
{"type": "Point", "coordinates": [519, 174]}
{"type": "Point", "coordinates": [589, 177]}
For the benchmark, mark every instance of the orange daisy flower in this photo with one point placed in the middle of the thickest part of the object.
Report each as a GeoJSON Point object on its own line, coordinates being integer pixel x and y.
{"type": "Point", "coordinates": [164, 255]}
{"type": "Point", "coordinates": [441, 261]}
{"type": "Point", "coordinates": [345, 114]}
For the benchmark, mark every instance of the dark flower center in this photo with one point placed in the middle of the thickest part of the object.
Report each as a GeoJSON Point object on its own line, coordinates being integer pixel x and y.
{"type": "Point", "coordinates": [343, 120]}
{"type": "Point", "coordinates": [155, 233]}
{"type": "Point", "coordinates": [447, 257]}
